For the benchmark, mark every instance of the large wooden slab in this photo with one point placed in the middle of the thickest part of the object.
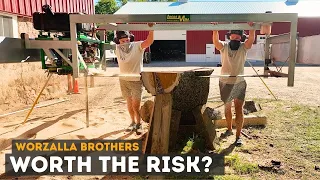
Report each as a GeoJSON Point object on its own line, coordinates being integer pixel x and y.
{"type": "Point", "coordinates": [161, 124]}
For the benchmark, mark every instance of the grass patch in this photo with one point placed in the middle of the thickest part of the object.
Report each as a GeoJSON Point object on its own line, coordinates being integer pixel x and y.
{"type": "Point", "coordinates": [239, 166]}
{"type": "Point", "coordinates": [291, 129]}
{"type": "Point", "coordinates": [228, 177]}
{"type": "Point", "coordinates": [190, 143]}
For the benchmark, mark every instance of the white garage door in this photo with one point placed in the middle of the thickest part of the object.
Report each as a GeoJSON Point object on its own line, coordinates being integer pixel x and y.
{"type": "Point", "coordinates": [170, 35]}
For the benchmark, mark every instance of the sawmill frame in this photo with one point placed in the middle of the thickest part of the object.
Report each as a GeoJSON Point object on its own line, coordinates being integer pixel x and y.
{"type": "Point", "coordinates": [196, 22]}
{"type": "Point", "coordinates": [205, 19]}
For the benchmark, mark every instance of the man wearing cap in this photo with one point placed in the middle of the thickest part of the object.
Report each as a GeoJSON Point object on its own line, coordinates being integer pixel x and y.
{"type": "Point", "coordinates": [130, 60]}
{"type": "Point", "coordinates": [232, 86]}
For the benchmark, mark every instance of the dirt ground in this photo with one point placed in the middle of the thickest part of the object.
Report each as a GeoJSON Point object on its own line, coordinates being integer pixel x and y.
{"type": "Point", "coordinates": [108, 115]}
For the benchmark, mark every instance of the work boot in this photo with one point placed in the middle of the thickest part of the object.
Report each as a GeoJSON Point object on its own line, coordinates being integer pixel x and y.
{"type": "Point", "coordinates": [131, 127]}
{"type": "Point", "coordinates": [226, 134]}
{"type": "Point", "coordinates": [138, 126]}
{"type": "Point", "coordinates": [238, 142]}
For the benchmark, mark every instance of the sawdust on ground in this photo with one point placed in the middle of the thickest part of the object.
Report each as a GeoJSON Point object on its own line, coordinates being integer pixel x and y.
{"type": "Point", "coordinates": [108, 114]}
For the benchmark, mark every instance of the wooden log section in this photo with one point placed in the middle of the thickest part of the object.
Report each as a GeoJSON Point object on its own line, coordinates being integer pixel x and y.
{"type": "Point", "coordinates": [177, 95]}
{"type": "Point", "coordinates": [158, 138]}
{"type": "Point", "coordinates": [249, 120]}
{"type": "Point", "coordinates": [161, 124]}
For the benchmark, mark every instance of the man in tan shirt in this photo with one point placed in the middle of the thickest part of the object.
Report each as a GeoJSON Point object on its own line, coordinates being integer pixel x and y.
{"type": "Point", "coordinates": [232, 86]}
{"type": "Point", "coordinates": [130, 60]}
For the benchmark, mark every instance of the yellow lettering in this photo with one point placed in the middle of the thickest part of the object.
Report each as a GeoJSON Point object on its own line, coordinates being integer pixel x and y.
{"type": "Point", "coordinates": [114, 147]}
{"type": "Point", "coordinates": [135, 146]}
{"type": "Point", "coordinates": [107, 146]}
{"type": "Point", "coordinates": [128, 147]}
{"type": "Point", "coordinates": [172, 17]}
{"type": "Point", "coordinates": [99, 146]}
{"type": "Point", "coordinates": [30, 146]}
{"type": "Point", "coordinates": [83, 147]}
{"type": "Point", "coordinates": [121, 146]}
{"type": "Point", "coordinates": [45, 148]}
{"type": "Point", "coordinates": [73, 147]}
{"type": "Point", "coordinates": [90, 146]}
{"type": "Point", "coordinates": [38, 147]}
{"type": "Point", "coordinates": [65, 147]}
{"type": "Point", "coordinates": [20, 146]}
{"type": "Point", "coordinates": [53, 147]}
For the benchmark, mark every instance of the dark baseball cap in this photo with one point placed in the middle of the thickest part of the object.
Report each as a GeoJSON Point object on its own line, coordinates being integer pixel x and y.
{"type": "Point", "coordinates": [122, 34]}
{"type": "Point", "coordinates": [238, 32]}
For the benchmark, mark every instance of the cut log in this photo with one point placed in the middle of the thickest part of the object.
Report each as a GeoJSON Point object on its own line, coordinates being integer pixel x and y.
{"type": "Point", "coordinates": [161, 124]}
{"type": "Point", "coordinates": [146, 111]}
{"type": "Point", "coordinates": [167, 81]}
{"type": "Point", "coordinates": [250, 120]}
{"type": "Point", "coordinates": [191, 92]}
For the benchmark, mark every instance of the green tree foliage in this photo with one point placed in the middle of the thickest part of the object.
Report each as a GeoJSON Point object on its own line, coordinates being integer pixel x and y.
{"type": "Point", "coordinates": [123, 2]}
{"type": "Point", "coordinates": [106, 7]}
{"type": "Point", "coordinates": [111, 6]}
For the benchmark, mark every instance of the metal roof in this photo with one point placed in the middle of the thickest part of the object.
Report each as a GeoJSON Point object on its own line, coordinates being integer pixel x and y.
{"type": "Point", "coordinates": [303, 8]}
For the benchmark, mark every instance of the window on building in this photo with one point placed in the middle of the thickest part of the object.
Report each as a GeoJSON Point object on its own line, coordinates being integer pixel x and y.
{"type": "Point", "coordinates": [6, 26]}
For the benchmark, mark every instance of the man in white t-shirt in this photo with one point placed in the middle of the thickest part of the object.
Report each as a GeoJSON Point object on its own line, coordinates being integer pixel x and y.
{"type": "Point", "coordinates": [130, 60]}
{"type": "Point", "coordinates": [232, 86]}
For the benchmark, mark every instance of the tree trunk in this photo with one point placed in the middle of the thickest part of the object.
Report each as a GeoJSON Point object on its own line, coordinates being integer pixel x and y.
{"type": "Point", "coordinates": [189, 93]}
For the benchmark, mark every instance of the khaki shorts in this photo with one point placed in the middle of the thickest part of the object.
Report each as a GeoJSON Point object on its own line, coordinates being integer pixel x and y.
{"type": "Point", "coordinates": [131, 89]}
{"type": "Point", "coordinates": [229, 92]}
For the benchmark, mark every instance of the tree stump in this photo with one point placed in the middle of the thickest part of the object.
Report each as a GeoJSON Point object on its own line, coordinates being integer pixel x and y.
{"type": "Point", "coordinates": [189, 94]}
{"type": "Point", "coordinates": [192, 91]}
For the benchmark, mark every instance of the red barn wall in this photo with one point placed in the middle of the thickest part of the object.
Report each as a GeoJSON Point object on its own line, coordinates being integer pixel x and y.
{"type": "Point", "coordinates": [27, 7]}
{"type": "Point", "coordinates": [197, 40]}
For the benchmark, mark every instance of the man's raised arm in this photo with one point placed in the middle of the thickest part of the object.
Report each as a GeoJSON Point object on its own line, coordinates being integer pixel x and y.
{"type": "Point", "coordinates": [146, 43]}
{"type": "Point", "coordinates": [216, 41]}
{"type": "Point", "coordinates": [252, 35]}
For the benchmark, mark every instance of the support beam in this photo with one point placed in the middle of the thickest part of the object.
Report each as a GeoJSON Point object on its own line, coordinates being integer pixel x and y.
{"type": "Point", "coordinates": [48, 53]}
{"type": "Point", "coordinates": [63, 56]}
{"type": "Point", "coordinates": [74, 50]}
{"type": "Point", "coordinates": [252, 17]}
{"type": "Point", "coordinates": [293, 51]}
{"type": "Point", "coordinates": [266, 57]}
{"type": "Point", "coordinates": [39, 44]}
{"type": "Point", "coordinates": [198, 27]}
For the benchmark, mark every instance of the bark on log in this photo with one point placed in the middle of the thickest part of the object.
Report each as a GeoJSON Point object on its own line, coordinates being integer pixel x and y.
{"type": "Point", "coordinates": [191, 92]}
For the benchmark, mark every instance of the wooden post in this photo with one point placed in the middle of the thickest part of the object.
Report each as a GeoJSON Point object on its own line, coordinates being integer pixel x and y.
{"type": "Point", "coordinates": [162, 117]}
{"type": "Point", "coordinates": [91, 81]}
{"type": "Point", "coordinates": [87, 99]}
{"type": "Point", "coordinates": [70, 86]}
